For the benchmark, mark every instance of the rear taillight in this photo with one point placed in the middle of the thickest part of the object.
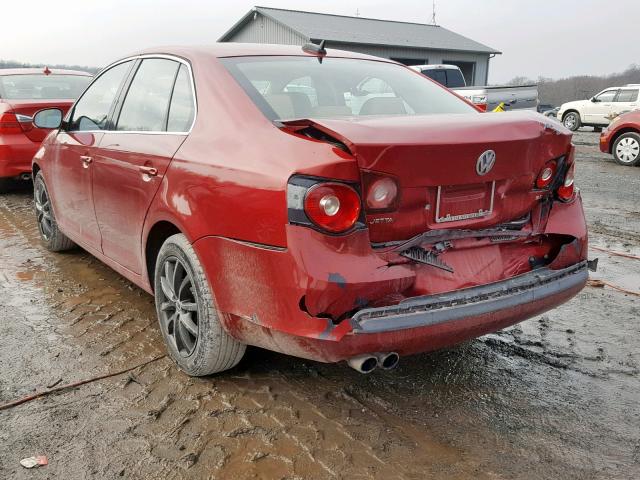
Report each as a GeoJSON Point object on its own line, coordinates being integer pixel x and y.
{"type": "Point", "coordinates": [25, 121]}
{"type": "Point", "coordinates": [9, 124]}
{"type": "Point", "coordinates": [327, 205]}
{"type": "Point", "coordinates": [546, 175]}
{"type": "Point", "coordinates": [381, 192]}
{"type": "Point", "coordinates": [480, 101]}
{"type": "Point", "coordinates": [566, 190]}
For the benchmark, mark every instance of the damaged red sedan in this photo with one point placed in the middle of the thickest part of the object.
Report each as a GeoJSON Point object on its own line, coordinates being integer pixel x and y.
{"type": "Point", "coordinates": [324, 204]}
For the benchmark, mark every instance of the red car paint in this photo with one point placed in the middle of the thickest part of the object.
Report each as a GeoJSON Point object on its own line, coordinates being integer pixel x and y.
{"type": "Point", "coordinates": [19, 141]}
{"type": "Point", "coordinates": [627, 122]}
{"type": "Point", "coordinates": [295, 289]}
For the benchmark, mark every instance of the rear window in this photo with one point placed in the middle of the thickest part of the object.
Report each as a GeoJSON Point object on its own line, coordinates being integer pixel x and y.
{"type": "Point", "coordinates": [289, 87]}
{"type": "Point", "coordinates": [451, 78]}
{"type": "Point", "coordinates": [42, 87]}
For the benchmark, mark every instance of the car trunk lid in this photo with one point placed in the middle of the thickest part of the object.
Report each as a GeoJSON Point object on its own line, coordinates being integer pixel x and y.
{"type": "Point", "coordinates": [436, 161]}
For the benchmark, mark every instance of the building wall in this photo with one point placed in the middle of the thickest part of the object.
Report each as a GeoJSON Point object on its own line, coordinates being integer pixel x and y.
{"type": "Point", "coordinates": [424, 56]}
{"type": "Point", "coordinates": [264, 30]}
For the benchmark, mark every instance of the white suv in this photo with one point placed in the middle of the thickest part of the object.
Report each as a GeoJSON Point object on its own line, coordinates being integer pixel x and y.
{"type": "Point", "coordinates": [601, 109]}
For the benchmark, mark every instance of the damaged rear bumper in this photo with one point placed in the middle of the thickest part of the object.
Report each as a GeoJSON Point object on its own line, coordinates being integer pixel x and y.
{"type": "Point", "coordinates": [329, 298]}
{"type": "Point", "coordinates": [535, 286]}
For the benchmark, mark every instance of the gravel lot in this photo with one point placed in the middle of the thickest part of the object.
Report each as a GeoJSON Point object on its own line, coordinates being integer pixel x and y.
{"type": "Point", "coordinates": [557, 396]}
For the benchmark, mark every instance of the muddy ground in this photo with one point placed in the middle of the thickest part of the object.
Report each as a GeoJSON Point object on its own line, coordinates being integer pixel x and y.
{"type": "Point", "coordinates": [557, 396]}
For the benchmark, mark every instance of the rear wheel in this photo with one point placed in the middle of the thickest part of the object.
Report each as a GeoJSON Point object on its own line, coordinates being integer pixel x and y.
{"type": "Point", "coordinates": [189, 319]}
{"type": "Point", "coordinates": [572, 121]}
{"type": "Point", "coordinates": [626, 149]}
{"type": "Point", "coordinates": [50, 234]}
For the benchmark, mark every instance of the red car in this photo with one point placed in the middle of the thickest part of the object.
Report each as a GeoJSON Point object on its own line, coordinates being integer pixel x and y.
{"type": "Point", "coordinates": [24, 91]}
{"type": "Point", "coordinates": [622, 139]}
{"type": "Point", "coordinates": [328, 205]}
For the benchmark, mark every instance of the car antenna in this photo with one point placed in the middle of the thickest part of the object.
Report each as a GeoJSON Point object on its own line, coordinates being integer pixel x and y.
{"type": "Point", "coordinates": [315, 49]}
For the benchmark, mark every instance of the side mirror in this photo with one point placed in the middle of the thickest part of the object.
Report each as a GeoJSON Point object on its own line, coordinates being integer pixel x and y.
{"type": "Point", "coordinates": [594, 100]}
{"type": "Point", "coordinates": [48, 118]}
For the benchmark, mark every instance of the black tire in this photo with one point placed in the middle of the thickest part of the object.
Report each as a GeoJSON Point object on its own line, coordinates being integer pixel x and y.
{"type": "Point", "coordinates": [50, 235]}
{"type": "Point", "coordinates": [189, 319]}
{"type": "Point", "coordinates": [626, 149]}
{"type": "Point", "coordinates": [572, 121]}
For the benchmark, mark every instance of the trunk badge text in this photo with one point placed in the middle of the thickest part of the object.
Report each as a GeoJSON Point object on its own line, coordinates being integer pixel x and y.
{"type": "Point", "coordinates": [485, 162]}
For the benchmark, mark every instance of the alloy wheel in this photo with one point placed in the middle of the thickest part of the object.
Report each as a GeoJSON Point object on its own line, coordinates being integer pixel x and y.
{"type": "Point", "coordinates": [179, 306]}
{"type": "Point", "coordinates": [570, 121]}
{"type": "Point", "coordinates": [627, 150]}
{"type": "Point", "coordinates": [43, 211]}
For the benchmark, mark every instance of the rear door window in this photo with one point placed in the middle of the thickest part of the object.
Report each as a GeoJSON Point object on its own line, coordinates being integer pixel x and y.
{"type": "Point", "coordinates": [146, 106]}
{"type": "Point", "coordinates": [627, 96]}
{"type": "Point", "coordinates": [182, 109]}
{"type": "Point", "coordinates": [91, 112]}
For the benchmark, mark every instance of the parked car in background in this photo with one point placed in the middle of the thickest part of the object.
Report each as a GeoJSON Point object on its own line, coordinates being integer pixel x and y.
{"type": "Point", "coordinates": [622, 139]}
{"type": "Point", "coordinates": [486, 98]}
{"type": "Point", "coordinates": [599, 109]}
{"type": "Point", "coordinates": [553, 113]}
{"type": "Point", "coordinates": [242, 186]}
{"type": "Point", "coordinates": [24, 91]}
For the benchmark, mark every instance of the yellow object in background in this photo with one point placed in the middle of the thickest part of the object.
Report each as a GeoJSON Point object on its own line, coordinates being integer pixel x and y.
{"type": "Point", "coordinates": [500, 108]}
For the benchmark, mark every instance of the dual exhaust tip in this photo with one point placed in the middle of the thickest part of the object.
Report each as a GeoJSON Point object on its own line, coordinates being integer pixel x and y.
{"type": "Point", "coordinates": [367, 363]}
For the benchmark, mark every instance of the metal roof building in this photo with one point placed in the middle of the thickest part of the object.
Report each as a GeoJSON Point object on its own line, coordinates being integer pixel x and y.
{"type": "Point", "coordinates": [405, 42]}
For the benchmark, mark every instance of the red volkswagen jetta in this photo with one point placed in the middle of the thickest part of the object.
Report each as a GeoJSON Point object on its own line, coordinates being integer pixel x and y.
{"type": "Point", "coordinates": [24, 91]}
{"type": "Point", "coordinates": [328, 205]}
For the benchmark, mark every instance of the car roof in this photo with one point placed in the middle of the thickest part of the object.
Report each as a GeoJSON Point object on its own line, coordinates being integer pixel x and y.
{"type": "Point", "coordinates": [41, 71]}
{"type": "Point", "coordinates": [224, 49]}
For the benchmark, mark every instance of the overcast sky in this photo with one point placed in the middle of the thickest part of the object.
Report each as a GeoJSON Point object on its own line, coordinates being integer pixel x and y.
{"type": "Point", "coordinates": [552, 38]}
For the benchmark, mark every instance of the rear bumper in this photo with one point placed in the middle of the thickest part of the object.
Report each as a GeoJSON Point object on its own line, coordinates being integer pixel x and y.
{"type": "Point", "coordinates": [605, 144]}
{"type": "Point", "coordinates": [331, 298]}
{"type": "Point", "coordinates": [528, 289]}
{"type": "Point", "coordinates": [16, 152]}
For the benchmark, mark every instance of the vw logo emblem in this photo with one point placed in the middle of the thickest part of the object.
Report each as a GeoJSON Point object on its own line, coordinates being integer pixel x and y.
{"type": "Point", "coordinates": [485, 162]}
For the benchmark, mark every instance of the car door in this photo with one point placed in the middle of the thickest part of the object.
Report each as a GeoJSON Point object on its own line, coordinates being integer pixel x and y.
{"type": "Point", "coordinates": [71, 166]}
{"type": "Point", "coordinates": [626, 101]}
{"type": "Point", "coordinates": [150, 123]}
{"type": "Point", "coordinates": [600, 107]}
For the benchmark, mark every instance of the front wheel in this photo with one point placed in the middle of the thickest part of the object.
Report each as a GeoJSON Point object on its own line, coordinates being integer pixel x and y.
{"type": "Point", "coordinates": [572, 121]}
{"type": "Point", "coordinates": [188, 317]}
{"type": "Point", "coordinates": [626, 149]}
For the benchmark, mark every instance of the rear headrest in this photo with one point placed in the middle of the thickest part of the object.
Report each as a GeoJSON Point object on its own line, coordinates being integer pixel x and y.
{"type": "Point", "coordinates": [290, 104]}
{"type": "Point", "coordinates": [383, 106]}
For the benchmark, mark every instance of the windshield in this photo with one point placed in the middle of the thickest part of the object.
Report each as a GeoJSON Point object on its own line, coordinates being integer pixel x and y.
{"type": "Point", "coordinates": [287, 88]}
{"type": "Point", "coordinates": [42, 87]}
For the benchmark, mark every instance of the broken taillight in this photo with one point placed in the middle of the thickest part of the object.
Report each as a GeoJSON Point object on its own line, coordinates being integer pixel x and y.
{"type": "Point", "coordinates": [566, 190]}
{"type": "Point", "coordinates": [546, 175]}
{"type": "Point", "coordinates": [381, 192]}
{"type": "Point", "coordinates": [327, 205]}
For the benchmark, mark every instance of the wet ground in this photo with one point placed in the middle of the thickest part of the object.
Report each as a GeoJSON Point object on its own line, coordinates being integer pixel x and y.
{"type": "Point", "coordinates": [557, 396]}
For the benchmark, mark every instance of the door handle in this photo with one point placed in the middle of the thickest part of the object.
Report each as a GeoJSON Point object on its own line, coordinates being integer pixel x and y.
{"type": "Point", "coordinates": [152, 172]}
{"type": "Point", "coordinates": [86, 161]}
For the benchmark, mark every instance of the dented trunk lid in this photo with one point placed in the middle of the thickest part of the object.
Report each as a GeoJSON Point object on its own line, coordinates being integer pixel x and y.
{"type": "Point", "coordinates": [435, 160]}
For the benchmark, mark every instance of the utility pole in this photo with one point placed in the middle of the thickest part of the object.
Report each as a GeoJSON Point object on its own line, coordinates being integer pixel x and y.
{"type": "Point", "coordinates": [357, 12]}
{"type": "Point", "coordinates": [433, 18]}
